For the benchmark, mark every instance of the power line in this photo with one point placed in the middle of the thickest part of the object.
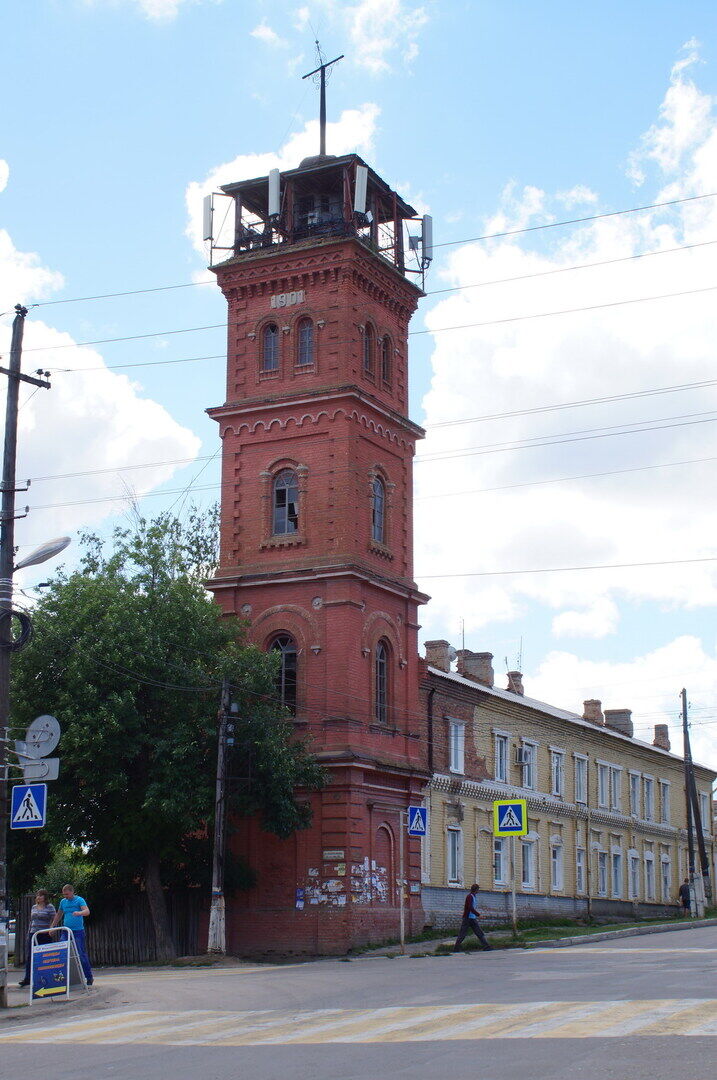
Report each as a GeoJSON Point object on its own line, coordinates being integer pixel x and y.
{"type": "Point", "coordinates": [567, 569]}
{"type": "Point", "coordinates": [412, 333]}
{"type": "Point", "coordinates": [576, 221]}
{"type": "Point", "coordinates": [448, 243]}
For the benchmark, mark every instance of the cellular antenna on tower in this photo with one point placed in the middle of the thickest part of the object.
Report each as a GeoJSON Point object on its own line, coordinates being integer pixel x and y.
{"type": "Point", "coordinates": [321, 72]}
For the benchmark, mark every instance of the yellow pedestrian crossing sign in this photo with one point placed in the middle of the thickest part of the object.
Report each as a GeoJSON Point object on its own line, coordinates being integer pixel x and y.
{"type": "Point", "coordinates": [510, 817]}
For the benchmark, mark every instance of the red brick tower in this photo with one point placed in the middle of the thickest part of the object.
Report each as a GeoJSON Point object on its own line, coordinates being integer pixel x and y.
{"type": "Point", "coordinates": [316, 536]}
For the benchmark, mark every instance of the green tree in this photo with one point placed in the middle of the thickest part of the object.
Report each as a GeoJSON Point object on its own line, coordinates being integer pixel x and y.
{"type": "Point", "coordinates": [129, 653]}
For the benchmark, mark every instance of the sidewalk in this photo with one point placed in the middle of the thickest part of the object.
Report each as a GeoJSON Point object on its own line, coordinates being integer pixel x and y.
{"type": "Point", "coordinates": [503, 937]}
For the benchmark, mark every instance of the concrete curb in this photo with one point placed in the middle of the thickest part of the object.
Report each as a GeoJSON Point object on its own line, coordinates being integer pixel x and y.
{"type": "Point", "coordinates": [610, 935]}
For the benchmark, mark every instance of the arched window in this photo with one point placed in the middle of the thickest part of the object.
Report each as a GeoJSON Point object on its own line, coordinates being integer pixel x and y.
{"type": "Point", "coordinates": [386, 359]}
{"type": "Point", "coordinates": [378, 511]}
{"type": "Point", "coordinates": [305, 351]}
{"type": "Point", "coordinates": [285, 645]}
{"type": "Point", "coordinates": [270, 347]}
{"type": "Point", "coordinates": [286, 503]}
{"type": "Point", "coordinates": [368, 344]}
{"type": "Point", "coordinates": [381, 677]}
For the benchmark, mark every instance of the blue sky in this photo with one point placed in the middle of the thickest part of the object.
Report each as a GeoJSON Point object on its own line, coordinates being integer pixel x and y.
{"type": "Point", "coordinates": [491, 116]}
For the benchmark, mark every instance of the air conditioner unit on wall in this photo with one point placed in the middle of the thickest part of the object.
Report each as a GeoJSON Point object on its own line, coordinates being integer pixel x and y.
{"type": "Point", "coordinates": [522, 756]}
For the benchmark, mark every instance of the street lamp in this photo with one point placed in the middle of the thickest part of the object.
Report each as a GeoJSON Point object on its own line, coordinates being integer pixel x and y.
{"type": "Point", "coordinates": [44, 552]}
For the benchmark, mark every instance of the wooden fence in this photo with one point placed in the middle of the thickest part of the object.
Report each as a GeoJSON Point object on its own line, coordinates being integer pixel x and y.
{"type": "Point", "coordinates": [124, 935]}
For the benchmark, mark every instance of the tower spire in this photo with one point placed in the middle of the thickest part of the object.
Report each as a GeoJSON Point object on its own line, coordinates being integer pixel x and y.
{"type": "Point", "coordinates": [321, 71]}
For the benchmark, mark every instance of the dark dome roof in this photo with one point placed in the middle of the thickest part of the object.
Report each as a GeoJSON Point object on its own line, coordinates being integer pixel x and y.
{"type": "Point", "coordinates": [317, 159]}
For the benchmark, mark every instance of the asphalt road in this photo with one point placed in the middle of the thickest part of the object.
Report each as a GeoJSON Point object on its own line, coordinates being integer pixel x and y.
{"type": "Point", "coordinates": [633, 1009]}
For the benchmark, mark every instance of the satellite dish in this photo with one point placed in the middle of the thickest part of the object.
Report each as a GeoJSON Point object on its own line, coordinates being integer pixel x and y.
{"type": "Point", "coordinates": [360, 189]}
{"type": "Point", "coordinates": [44, 552]}
{"type": "Point", "coordinates": [208, 212]}
{"type": "Point", "coordinates": [274, 193]}
{"type": "Point", "coordinates": [42, 736]}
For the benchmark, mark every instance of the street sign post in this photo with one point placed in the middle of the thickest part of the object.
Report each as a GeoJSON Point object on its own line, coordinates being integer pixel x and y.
{"type": "Point", "coordinates": [414, 820]}
{"type": "Point", "coordinates": [510, 818]}
{"type": "Point", "coordinates": [29, 806]}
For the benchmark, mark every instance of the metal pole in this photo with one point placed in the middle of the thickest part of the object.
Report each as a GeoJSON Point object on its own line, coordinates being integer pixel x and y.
{"type": "Point", "coordinates": [322, 111]}
{"type": "Point", "coordinates": [403, 825]}
{"type": "Point", "coordinates": [513, 912]}
{"type": "Point", "coordinates": [217, 940]}
{"type": "Point", "coordinates": [688, 806]}
{"type": "Point", "coordinates": [7, 558]}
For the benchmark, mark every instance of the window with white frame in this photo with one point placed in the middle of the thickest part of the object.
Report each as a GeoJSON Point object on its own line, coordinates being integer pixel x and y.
{"type": "Point", "coordinates": [530, 752]}
{"type": "Point", "coordinates": [649, 876]}
{"type": "Point", "coordinates": [581, 779]}
{"type": "Point", "coordinates": [664, 802]}
{"type": "Point", "coordinates": [704, 811]}
{"type": "Point", "coordinates": [500, 868]}
{"type": "Point", "coordinates": [527, 851]}
{"type": "Point", "coordinates": [456, 746]}
{"type": "Point", "coordinates": [454, 856]}
{"type": "Point", "coordinates": [666, 873]}
{"type": "Point", "coordinates": [633, 883]}
{"type": "Point", "coordinates": [557, 772]}
{"type": "Point", "coordinates": [602, 873]}
{"type": "Point", "coordinates": [635, 794]}
{"type": "Point", "coordinates": [615, 788]}
{"type": "Point", "coordinates": [556, 867]}
{"type": "Point", "coordinates": [603, 782]}
{"type": "Point", "coordinates": [616, 874]}
{"type": "Point", "coordinates": [580, 870]}
{"type": "Point", "coordinates": [502, 746]}
{"type": "Point", "coordinates": [649, 793]}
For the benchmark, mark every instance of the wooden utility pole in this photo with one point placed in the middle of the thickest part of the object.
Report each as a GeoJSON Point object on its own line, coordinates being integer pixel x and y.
{"type": "Point", "coordinates": [217, 938]}
{"type": "Point", "coordinates": [7, 561]}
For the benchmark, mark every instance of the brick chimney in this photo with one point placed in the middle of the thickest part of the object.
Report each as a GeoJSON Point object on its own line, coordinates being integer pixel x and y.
{"type": "Point", "coordinates": [438, 654]}
{"type": "Point", "coordinates": [592, 711]}
{"type": "Point", "coordinates": [662, 737]}
{"type": "Point", "coordinates": [477, 666]}
{"type": "Point", "coordinates": [619, 720]}
{"type": "Point", "coordinates": [515, 682]}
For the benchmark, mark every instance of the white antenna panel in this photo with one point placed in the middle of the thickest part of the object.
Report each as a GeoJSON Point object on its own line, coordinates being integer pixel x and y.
{"type": "Point", "coordinates": [360, 191]}
{"type": "Point", "coordinates": [274, 193]}
{"type": "Point", "coordinates": [208, 214]}
{"type": "Point", "coordinates": [427, 239]}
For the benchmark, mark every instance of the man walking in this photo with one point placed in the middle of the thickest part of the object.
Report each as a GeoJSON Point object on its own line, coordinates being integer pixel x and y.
{"type": "Point", "coordinates": [685, 896]}
{"type": "Point", "coordinates": [73, 911]}
{"type": "Point", "coordinates": [470, 922]}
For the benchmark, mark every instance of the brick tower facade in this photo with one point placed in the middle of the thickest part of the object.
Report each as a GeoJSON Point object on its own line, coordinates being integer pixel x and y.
{"type": "Point", "coordinates": [316, 537]}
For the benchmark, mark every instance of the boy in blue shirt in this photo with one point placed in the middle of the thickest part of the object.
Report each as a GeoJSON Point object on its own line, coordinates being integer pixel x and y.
{"type": "Point", "coordinates": [73, 910]}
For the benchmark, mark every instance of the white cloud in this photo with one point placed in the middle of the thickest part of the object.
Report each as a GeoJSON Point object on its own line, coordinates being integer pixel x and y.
{"type": "Point", "coordinates": [649, 685]}
{"type": "Point", "coordinates": [662, 514]}
{"type": "Point", "coordinates": [4, 174]}
{"type": "Point", "coordinates": [154, 10]}
{"type": "Point", "coordinates": [90, 419]}
{"type": "Point", "coordinates": [264, 33]}
{"type": "Point", "coordinates": [354, 131]}
{"type": "Point", "coordinates": [379, 30]}
{"type": "Point", "coordinates": [577, 196]}
{"type": "Point", "coordinates": [596, 621]}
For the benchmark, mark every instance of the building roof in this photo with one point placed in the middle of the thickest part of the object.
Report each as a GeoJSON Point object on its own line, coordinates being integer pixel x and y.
{"type": "Point", "coordinates": [555, 713]}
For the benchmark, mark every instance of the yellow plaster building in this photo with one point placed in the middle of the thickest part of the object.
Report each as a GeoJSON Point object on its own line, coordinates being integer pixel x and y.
{"type": "Point", "coordinates": [607, 817]}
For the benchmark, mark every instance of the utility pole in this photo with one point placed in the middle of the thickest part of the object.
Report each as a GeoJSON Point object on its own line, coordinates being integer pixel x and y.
{"type": "Point", "coordinates": [217, 938]}
{"type": "Point", "coordinates": [687, 754]}
{"type": "Point", "coordinates": [693, 802]}
{"type": "Point", "coordinates": [7, 560]}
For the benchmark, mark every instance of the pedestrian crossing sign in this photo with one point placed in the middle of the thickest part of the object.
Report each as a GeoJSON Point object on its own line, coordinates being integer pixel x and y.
{"type": "Point", "coordinates": [510, 817]}
{"type": "Point", "coordinates": [29, 806]}
{"type": "Point", "coordinates": [417, 820]}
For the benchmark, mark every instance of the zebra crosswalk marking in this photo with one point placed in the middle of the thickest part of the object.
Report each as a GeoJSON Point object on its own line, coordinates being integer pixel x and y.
{"type": "Point", "coordinates": [394, 1024]}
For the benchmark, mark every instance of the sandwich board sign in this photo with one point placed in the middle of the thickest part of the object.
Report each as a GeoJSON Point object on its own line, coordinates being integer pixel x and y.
{"type": "Point", "coordinates": [29, 806]}
{"type": "Point", "coordinates": [510, 817]}
{"type": "Point", "coordinates": [417, 820]}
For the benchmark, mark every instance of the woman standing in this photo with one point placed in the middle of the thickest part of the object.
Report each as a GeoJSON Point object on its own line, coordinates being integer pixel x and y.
{"type": "Point", "coordinates": [41, 915]}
